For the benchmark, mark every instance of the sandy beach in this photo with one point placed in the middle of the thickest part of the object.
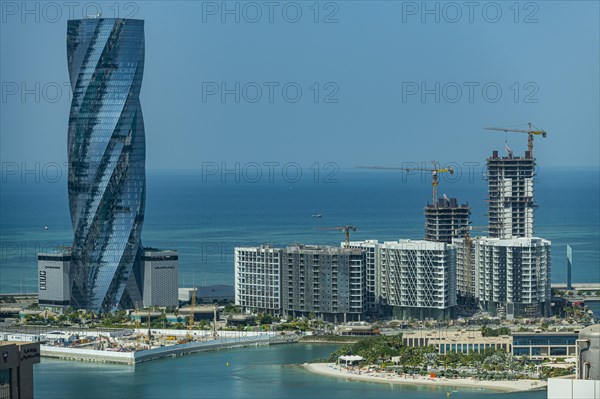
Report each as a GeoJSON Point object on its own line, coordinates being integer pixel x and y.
{"type": "Point", "coordinates": [330, 369]}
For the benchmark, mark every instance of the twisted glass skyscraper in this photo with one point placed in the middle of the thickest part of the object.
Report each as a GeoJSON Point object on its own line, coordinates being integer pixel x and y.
{"type": "Point", "coordinates": [106, 144]}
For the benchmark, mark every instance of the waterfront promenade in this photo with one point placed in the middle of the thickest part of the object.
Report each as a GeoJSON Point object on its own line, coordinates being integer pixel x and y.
{"type": "Point", "coordinates": [154, 353]}
{"type": "Point", "coordinates": [333, 370]}
{"type": "Point", "coordinates": [132, 346]}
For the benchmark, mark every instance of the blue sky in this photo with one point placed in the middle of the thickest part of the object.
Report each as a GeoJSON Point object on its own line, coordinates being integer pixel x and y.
{"type": "Point", "coordinates": [361, 75]}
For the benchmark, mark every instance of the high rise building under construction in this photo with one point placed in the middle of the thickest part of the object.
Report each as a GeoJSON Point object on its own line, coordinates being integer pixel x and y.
{"type": "Point", "coordinates": [446, 219]}
{"type": "Point", "coordinates": [510, 195]}
{"type": "Point", "coordinates": [508, 272]}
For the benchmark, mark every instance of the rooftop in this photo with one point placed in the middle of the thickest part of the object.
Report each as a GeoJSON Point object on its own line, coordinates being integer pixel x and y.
{"type": "Point", "coordinates": [57, 251]}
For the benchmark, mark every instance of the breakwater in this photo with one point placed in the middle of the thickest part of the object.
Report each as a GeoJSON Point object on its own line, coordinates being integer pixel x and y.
{"type": "Point", "coordinates": [145, 355]}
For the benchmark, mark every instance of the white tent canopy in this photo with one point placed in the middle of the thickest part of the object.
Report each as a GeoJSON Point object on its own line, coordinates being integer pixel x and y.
{"type": "Point", "coordinates": [350, 358]}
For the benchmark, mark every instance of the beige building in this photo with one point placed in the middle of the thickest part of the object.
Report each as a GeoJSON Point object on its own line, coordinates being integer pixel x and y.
{"type": "Point", "coordinates": [16, 368]}
{"type": "Point", "coordinates": [457, 341]}
{"type": "Point", "coordinates": [537, 345]}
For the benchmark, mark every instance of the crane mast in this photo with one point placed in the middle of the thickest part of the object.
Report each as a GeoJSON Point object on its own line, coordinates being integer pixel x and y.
{"type": "Point", "coordinates": [345, 229]}
{"type": "Point", "coordinates": [468, 256]}
{"type": "Point", "coordinates": [192, 314]}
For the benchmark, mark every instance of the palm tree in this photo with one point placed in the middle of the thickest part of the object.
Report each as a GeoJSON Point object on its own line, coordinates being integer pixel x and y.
{"type": "Point", "coordinates": [431, 359]}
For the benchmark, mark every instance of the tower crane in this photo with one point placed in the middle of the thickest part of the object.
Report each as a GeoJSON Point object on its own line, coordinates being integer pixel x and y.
{"type": "Point", "coordinates": [434, 175]}
{"type": "Point", "coordinates": [345, 229]}
{"type": "Point", "coordinates": [138, 316]}
{"type": "Point", "coordinates": [149, 337]}
{"type": "Point", "coordinates": [530, 132]}
{"type": "Point", "coordinates": [468, 255]}
{"type": "Point", "coordinates": [192, 314]}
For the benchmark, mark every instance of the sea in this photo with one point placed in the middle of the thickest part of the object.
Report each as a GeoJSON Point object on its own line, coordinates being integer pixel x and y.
{"type": "Point", "coordinates": [206, 215]}
{"type": "Point", "coordinates": [258, 372]}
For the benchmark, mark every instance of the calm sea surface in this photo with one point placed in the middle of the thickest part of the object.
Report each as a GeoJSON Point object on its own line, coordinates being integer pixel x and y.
{"type": "Point", "coordinates": [264, 372]}
{"type": "Point", "coordinates": [205, 220]}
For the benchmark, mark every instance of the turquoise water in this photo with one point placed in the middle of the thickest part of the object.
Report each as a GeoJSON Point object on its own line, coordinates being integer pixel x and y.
{"type": "Point", "coordinates": [264, 372]}
{"type": "Point", "coordinates": [206, 220]}
{"type": "Point", "coordinates": [594, 307]}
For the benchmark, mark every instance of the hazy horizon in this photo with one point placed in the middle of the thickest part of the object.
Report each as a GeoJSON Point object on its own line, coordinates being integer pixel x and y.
{"type": "Point", "coordinates": [380, 83]}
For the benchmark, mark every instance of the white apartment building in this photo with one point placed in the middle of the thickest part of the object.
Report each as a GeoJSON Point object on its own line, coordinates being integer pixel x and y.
{"type": "Point", "coordinates": [508, 277]}
{"type": "Point", "coordinates": [371, 250]}
{"type": "Point", "coordinates": [258, 278]}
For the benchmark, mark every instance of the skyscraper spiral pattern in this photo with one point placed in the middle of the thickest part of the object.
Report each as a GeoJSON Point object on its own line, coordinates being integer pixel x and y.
{"type": "Point", "coordinates": [106, 155]}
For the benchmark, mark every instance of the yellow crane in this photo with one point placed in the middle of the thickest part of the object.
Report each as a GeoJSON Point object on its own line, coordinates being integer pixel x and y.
{"type": "Point", "coordinates": [530, 132]}
{"type": "Point", "coordinates": [149, 337]}
{"type": "Point", "coordinates": [468, 255]}
{"type": "Point", "coordinates": [215, 321]}
{"type": "Point", "coordinates": [434, 174]}
{"type": "Point", "coordinates": [192, 314]}
{"type": "Point", "coordinates": [138, 316]}
{"type": "Point", "coordinates": [345, 229]}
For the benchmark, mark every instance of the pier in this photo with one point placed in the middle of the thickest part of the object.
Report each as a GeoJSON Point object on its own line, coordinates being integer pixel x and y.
{"type": "Point", "coordinates": [133, 346]}
{"type": "Point", "coordinates": [140, 356]}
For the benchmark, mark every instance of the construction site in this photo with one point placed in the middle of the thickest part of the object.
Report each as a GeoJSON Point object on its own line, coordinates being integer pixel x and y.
{"type": "Point", "coordinates": [202, 328]}
{"type": "Point", "coordinates": [505, 272]}
{"type": "Point", "coordinates": [137, 346]}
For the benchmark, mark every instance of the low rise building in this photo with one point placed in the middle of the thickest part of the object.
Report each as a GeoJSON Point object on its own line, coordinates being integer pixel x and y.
{"type": "Point", "coordinates": [54, 287]}
{"type": "Point", "coordinates": [185, 294]}
{"type": "Point", "coordinates": [240, 320]}
{"type": "Point", "coordinates": [586, 384]}
{"type": "Point", "coordinates": [464, 341]}
{"type": "Point", "coordinates": [160, 269]}
{"type": "Point", "coordinates": [143, 317]}
{"type": "Point", "coordinates": [16, 368]}
{"type": "Point", "coordinates": [215, 293]}
{"type": "Point", "coordinates": [158, 275]}
{"type": "Point", "coordinates": [201, 312]}
{"type": "Point", "coordinates": [536, 345]}
{"type": "Point", "coordinates": [544, 344]}
{"type": "Point", "coordinates": [357, 329]}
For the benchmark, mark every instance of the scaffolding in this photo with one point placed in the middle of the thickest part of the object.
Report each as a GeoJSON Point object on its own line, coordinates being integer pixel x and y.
{"type": "Point", "coordinates": [446, 219]}
{"type": "Point", "coordinates": [510, 196]}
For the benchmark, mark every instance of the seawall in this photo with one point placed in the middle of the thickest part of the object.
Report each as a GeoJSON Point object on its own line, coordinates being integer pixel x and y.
{"type": "Point", "coordinates": [132, 358]}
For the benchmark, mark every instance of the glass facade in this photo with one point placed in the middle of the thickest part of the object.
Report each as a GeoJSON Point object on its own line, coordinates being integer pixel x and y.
{"type": "Point", "coordinates": [544, 339]}
{"type": "Point", "coordinates": [5, 387]}
{"type": "Point", "coordinates": [106, 148]}
{"type": "Point", "coordinates": [540, 344]}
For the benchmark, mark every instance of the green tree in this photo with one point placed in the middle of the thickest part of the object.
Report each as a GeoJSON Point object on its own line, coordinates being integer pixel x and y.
{"type": "Point", "coordinates": [264, 318]}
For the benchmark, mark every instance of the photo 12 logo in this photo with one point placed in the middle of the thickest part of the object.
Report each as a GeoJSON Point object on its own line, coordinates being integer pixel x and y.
{"type": "Point", "coordinates": [33, 172]}
{"type": "Point", "coordinates": [452, 12]}
{"type": "Point", "coordinates": [13, 252]}
{"type": "Point", "coordinates": [35, 92]}
{"type": "Point", "coordinates": [269, 172]}
{"type": "Point", "coordinates": [469, 92]}
{"type": "Point", "coordinates": [446, 172]}
{"type": "Point", "coordinates": [61, 11]}
{"type": "Point", "coordinates": [49, 172]}
{"type": "Point", "coordinates": [254, 12]}
{"type": "Point", "coordinates": [270, 92]}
